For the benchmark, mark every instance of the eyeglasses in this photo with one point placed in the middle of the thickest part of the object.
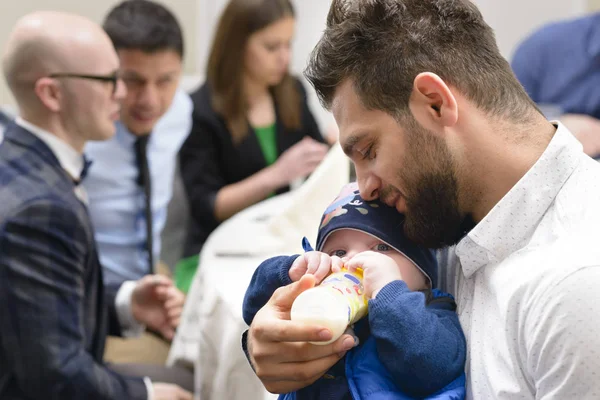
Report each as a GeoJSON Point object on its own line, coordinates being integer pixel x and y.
{"type": "Point", "coordinates": [112, 78]}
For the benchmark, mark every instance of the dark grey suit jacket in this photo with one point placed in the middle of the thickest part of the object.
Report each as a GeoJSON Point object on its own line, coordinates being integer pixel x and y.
{"type": "Point", "coordinates": [54, 310]}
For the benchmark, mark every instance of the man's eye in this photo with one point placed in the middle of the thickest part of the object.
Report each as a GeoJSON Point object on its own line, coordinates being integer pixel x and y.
{"type": "Point", "coordinates": [368, 153]}
{"type": "Point", "coordinates": [133, 81]}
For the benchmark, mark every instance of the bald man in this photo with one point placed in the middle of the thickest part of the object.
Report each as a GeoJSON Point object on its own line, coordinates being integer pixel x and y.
{"type": "Point", "coordinates": [54, 309]}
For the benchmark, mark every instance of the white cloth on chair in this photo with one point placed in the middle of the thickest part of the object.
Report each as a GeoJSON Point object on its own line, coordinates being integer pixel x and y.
{"type": "Point", "coordinates": [209, 336]}
{"type": "Point", "coordinates": [302, 216]}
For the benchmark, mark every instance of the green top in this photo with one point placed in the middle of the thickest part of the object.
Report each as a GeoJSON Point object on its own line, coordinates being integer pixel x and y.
{"type": "Point", "coordinates": [268, 142]}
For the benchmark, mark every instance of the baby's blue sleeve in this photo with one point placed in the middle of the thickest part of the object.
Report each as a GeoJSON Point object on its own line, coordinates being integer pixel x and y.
{"type": "Point", "coordinates": [419, 342]}
{"type": "Point", "coordinates": [268, 277]}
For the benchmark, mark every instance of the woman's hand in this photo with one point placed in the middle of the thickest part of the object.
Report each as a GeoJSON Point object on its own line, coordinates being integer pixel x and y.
{"type": "Point", "coordinates": [299, 161]}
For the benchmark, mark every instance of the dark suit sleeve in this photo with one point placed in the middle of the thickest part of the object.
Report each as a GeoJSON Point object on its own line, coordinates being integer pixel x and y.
{"type": "Point", "coordinates": [110, 294]}
{"type": "Point", "coordinates": [42, 318]}
{"type": "Point", "coordinates": [309, 124]}
{"type": "Point", "coordinates": [201, 172]}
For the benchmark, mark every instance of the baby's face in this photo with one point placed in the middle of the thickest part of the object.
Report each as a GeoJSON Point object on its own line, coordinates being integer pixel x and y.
{"type": "Point", "coordinates": [346, 243]}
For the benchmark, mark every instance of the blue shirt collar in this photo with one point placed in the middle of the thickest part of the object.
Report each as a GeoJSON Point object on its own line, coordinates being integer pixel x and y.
{"type": "Point", "coordinates": [124, 136]}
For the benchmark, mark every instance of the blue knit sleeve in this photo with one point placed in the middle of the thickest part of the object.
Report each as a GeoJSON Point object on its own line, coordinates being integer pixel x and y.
{"type": "Point", "coordinates": [268, 277]}
{"type": "Point", "coordinates": [419, 342]}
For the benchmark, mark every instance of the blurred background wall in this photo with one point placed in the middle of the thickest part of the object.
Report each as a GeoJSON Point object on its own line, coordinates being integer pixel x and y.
{"type": "Point", "coordinates": [512, 19]}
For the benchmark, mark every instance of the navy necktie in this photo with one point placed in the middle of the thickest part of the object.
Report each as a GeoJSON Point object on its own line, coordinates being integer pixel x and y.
{"type": "Point", "coordinates": [144, 181]}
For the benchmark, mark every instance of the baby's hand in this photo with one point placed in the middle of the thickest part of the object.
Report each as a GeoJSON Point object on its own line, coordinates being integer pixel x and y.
{"type": "Point", "coordinates": [378, 271]}
{"type": "Point", "coordinates": [314, 263]}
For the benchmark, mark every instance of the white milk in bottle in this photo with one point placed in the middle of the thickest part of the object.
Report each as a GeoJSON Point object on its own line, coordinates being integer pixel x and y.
{"type": "Point", "coordinates": [337, 302]}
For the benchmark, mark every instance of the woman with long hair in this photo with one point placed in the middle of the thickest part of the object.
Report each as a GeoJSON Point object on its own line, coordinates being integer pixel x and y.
{"type": "Point", "coordinates": [253, 133]}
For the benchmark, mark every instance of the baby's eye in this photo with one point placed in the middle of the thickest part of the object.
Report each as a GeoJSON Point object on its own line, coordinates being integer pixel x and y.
{"type": "Point", "coordinates": [382, 247]}
{"type": "Point", "coordinates": [339, 253]}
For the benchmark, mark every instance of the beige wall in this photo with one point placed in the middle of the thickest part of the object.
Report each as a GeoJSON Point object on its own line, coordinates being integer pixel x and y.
{"type": "Point", "coordinates": [199, 16]}
{"type": "Point", "coordinates": [10, 11]}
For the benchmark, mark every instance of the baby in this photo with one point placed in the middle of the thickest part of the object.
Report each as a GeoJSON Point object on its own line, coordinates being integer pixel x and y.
{"type": "Point", "coordinates": [411, 343]}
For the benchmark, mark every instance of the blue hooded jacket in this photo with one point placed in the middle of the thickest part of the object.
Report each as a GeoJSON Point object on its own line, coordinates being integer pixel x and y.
{"type": "Point", "coordinates": [368, 379]}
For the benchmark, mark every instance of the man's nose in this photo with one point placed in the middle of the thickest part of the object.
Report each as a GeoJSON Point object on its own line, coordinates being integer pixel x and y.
{"type": "Point", "coordinates": [149, 96]}
{"type": "Point", "coordinates": [368, 185]}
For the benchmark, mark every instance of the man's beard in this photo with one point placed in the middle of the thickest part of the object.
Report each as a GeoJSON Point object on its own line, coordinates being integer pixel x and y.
{"type": "Point", "coordinates": [433, 217]}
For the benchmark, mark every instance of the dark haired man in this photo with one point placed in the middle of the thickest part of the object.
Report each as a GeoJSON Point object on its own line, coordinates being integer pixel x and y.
{"type": "Point", "coordinates": [438, 127]}
{"type": "Point", "coordinates": [130, 183]}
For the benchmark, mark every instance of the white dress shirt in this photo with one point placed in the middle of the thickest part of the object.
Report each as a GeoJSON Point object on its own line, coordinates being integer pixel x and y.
{"type": "Point", "coordinates": [526, 281]}
{"type": "Point", "coordinates": [72, 162]}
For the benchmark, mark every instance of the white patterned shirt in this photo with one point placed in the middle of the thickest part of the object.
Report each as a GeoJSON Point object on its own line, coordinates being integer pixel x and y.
{"type": "Point", "coordinates": [527, 283]}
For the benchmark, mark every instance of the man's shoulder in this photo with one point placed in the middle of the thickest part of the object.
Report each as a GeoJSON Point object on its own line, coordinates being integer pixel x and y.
{"type": "Point", "coordinates": [541, 268]}
{"type": "Point", "coordinates": [559, 36]}
{"type": "Point", "coordinates": [26, 192]}
{"type": "Point", "coordinates": [27, 180]}
{"type": "Point", "coordinates": [565, 30]}
{"type": "Point", "coordinates": [21, 176]}
{"type": "Point", "coordinates": [576, 207]}
{"type": "Point", "coordinates": [567, 235]}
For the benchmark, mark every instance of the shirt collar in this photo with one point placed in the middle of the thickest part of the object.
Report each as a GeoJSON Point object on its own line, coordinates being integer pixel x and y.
{"type": "Point", "coordinates": [70, 159]}
{"type": "Point", "coordinates": [125, 137]}
{"type": "Point", "coordinates": [512, 221]}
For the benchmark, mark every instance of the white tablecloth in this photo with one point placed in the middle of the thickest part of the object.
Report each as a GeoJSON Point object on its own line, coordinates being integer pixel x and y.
{"type": "Point", "coordinates": [209, 337]}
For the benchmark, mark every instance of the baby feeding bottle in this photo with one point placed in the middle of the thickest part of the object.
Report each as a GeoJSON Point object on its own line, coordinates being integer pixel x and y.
{"type": "Point", "coordinates": [337, 302]}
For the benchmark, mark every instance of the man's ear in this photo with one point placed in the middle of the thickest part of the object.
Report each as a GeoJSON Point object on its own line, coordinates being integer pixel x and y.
{"type": "Point", "coordinates": [49, 93]}
{"type": "Point", "coordinates": [432, 103]}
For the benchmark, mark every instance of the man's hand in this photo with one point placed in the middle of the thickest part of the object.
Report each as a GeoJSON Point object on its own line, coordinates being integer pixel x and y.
{"type": "Point", "coordinates": [279, 350]}
{"type": "Point", "coordinates": [158, 304]}
{"type": "Point", "coordinates": [315, 263]}
{"type": "Point", "coordinates": [586, 129]}
{"type": "Point", "coordinates": [167, 391]}
{"type": "Point", "coordinates": [378, 271]}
